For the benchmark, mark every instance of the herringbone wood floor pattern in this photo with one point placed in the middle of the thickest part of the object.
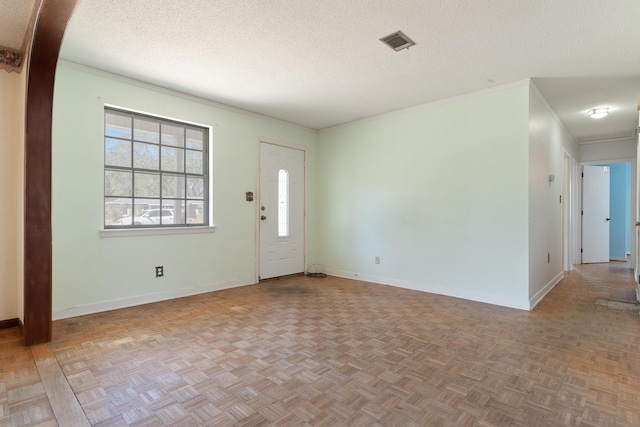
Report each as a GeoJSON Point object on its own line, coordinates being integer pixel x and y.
{"type": "Point", "coordinates": [328, 352]}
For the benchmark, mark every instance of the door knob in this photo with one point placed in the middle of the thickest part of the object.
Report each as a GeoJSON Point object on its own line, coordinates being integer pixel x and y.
{"type": "Point", "coordinates": [608, 219]}
{"type": "Point", "coordinates": [263, 217]}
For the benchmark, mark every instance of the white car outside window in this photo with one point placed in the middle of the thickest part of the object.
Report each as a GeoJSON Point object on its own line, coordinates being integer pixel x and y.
{"type": "Point", "coordinates": [149, 217]}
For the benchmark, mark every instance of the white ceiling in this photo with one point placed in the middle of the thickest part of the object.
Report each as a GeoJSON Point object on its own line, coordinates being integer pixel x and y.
{"type": "Point", "coordinates": [14, 19]}
{"type": "Point", "coordinates": [320, 63]}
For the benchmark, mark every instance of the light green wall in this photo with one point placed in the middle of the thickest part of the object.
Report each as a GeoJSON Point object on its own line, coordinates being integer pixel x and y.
{"type": "Point", "coordinates": [440, 193]}
{"type": "Point", "coordinates": [88, 269]}
{"type": "Point", "coordinates": [548, 141]}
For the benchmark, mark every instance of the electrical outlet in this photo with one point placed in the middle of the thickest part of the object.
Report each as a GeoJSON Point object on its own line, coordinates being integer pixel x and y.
{"type": "Point", "coordinates": [160, 271]}
{"type": "Point", "coordinates": [377, 259]}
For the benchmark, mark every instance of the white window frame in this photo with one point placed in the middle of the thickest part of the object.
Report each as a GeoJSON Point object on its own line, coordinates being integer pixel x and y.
{"type": "Point", "coordinates": [132, 229]}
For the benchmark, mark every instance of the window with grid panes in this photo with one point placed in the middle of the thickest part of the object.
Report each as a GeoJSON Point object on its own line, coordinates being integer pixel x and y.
{"type": "Point", "coordinates": [155, 171]}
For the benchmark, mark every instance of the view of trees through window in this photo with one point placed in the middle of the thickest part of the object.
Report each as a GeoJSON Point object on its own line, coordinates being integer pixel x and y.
{"type": "Point", "coordinates": [155, 173]}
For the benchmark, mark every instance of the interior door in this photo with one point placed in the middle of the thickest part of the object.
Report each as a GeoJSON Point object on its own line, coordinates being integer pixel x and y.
{"type": "Point", "coordinates": [595, 214]}
{"type": "Point", "coordinates": [281, 211]}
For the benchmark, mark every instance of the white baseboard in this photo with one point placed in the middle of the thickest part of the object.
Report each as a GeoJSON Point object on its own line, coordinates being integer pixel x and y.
{"type": "Point", "coordinates": [545, 290]}
{"type": "Point", "coordinates": [82, 310]}
{"type": "Point", "coordinates": [440, 290]}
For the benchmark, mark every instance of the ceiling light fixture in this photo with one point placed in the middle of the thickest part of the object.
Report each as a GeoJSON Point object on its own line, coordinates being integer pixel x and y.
{"type": "Point", "coordinates": [397, 41]}
{"type": "Point", "coordinates": [598, 113]}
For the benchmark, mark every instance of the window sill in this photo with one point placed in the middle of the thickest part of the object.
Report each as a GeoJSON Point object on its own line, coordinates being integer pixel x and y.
{"type": "Point", "coordinates": [138, 232]}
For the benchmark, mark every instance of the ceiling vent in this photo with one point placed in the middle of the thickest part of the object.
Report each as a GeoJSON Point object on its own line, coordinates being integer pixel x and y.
{"type": "Point", "coordinates": [397, 41]}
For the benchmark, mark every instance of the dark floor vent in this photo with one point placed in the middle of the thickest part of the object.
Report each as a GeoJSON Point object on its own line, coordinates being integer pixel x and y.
{"type": "Point", "coordinates": [397, 41]}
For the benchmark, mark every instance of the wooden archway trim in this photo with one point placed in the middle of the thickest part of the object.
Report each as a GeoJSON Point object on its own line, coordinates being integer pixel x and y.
{"type": "Point", "coordinates": [41, 68]}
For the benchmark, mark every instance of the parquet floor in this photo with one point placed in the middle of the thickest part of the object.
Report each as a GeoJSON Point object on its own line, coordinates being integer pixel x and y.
{"type": "Point", "coordinates": [329, 352]}
{"type": "Point", "coordinates": [23, 400]}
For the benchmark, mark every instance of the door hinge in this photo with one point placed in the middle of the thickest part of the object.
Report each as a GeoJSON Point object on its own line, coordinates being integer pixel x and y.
{"type": "Point", "coordinates": [581, 250]}
{"type": "Point", "coordinates": [561, 198]}
{"type": "Point", "coordinates": [581, 212]}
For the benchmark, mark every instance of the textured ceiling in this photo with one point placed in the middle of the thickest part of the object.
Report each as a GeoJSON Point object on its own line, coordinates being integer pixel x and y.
{"type": "Point", "coordinates": [14, 19]}
{"type": "Point", "coordinates": [320, 64]}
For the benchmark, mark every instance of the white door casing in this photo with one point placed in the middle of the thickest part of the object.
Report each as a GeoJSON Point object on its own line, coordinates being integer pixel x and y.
{"type": "Point", "coordinates": [595, 214]}
{"type": "Point", "coordinates": [636, 218]}
{"type": "Point", "coordinates": [636, 215]}
{"type": "Point", "coordinates": [281, 246]}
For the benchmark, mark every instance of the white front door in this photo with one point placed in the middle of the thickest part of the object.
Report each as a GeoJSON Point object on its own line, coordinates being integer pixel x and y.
{"type": "Point", "coordinates": [281, 211]}
{"type": "Point", "coordinates": [595, 214]}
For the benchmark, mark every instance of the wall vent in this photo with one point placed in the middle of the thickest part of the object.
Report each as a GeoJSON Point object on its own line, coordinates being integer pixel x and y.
{"type": "Point", "coordinates": [397, 41]}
